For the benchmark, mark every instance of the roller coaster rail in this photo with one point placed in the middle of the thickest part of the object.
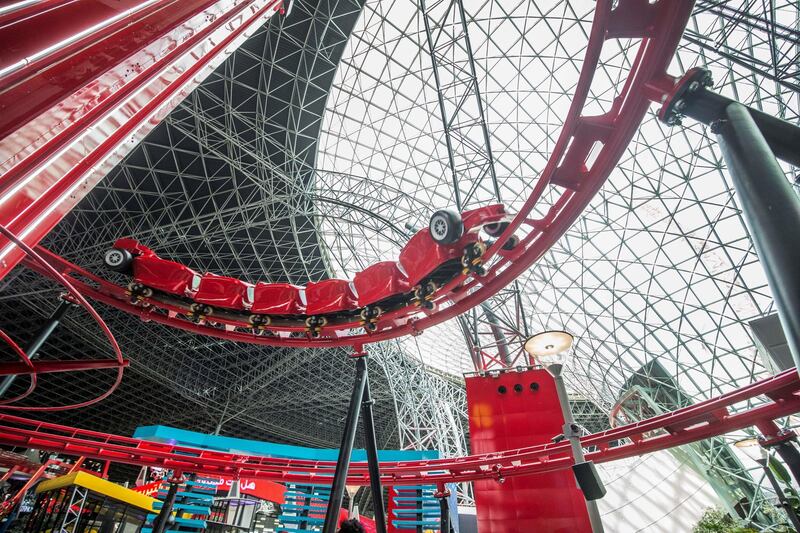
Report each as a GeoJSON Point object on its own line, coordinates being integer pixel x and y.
{"type": "Point", "coordinates": [777, 397]}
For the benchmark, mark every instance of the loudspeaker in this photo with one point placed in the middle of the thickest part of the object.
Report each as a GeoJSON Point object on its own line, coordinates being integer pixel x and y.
{"type": "Point", "coordinates": [589, 481]}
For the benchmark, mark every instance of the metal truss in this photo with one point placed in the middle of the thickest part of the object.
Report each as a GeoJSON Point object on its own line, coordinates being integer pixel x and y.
{"type": "Point", "coordinates": [469, 149]}
{"type": "Point", "coordinates": [310, 154]}
{"type": "Point", "coordinates": [74, 510]}
{"type": "Point", "coordinates": [760, 36]}
{"type": "Point", "coordinates": [431, 407]}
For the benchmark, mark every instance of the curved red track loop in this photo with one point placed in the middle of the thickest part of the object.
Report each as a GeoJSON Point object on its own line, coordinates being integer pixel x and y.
{"type": "Point", "coordinates": [25, 359]}
{"type": "Point", "coordinates": [659, 25]}
{"type": "Point", "coordinates": [53, 273]}
{"type": "Point", "coordinates": [690, 424]}
{"type": "Point", "coordinates": [568, 172]}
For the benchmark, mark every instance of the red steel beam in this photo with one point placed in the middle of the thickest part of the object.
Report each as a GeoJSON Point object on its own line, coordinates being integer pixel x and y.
{"type": "Point", "coordinates": [93, 86]}
{"type": "Point", "coordinates": [49, 367]}
{"type": "Point", "coordinates": [703, 420]}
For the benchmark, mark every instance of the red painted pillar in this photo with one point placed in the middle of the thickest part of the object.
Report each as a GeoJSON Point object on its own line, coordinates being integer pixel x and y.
{"type": "Point", "coordinates": [515, 410]}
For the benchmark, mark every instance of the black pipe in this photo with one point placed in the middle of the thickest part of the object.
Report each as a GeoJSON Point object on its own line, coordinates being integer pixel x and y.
{"type": "Point", "coordinates": [346, 449]}
{"type": "Point", "coordinates": [787, 506]}
{"type": "Point", "coordinates": [788, 452]}
{"type": "Point", "coordinates": [771, 209]}
{"type": "Point", "coordinates": [782, 137]}
{"type": "Point", "coordinates": [444, 508]}
{"type": "Point", "coordinates": [371, 445]}
{"type": "Point", "coordinates": [161, 521]}
{"type": "Point", "coordinates": [497, 333]}
{"type": "Point", "coordinates": [32, 348]}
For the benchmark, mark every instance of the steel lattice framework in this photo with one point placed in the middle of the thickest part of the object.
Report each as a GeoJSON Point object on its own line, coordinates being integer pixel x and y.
{"type": "Point", "coordinates": [319, 147]}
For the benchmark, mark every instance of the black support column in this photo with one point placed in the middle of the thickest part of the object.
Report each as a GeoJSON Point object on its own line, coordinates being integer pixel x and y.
{"type": "Point", "coordinates": [751, 143]}
{"type": "Point", "coordinates": [441, 494]}
{"type": "Point", "coordinates": [771, 209]}
{"type": "Point", "coordinates": [346, 448]}
{"type": "Point", "coordinates": [32, 348]}
{"type": "Point", "coordinates": [372, 453]}
{"type": "Point", "coordinates": [161, 521]}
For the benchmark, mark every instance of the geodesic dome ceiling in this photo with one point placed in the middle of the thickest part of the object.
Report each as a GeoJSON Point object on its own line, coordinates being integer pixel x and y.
{"type": "Point", "coordinates": [318, 148]}
{"type": "Point", "coordinates": [660, 267]}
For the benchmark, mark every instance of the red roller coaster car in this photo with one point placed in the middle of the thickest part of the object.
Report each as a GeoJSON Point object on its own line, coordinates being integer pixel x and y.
{"type": "Point", "coordinates": [223, 292]}
{"type": "Point", "coordinates": [150, 272]}
{"type": "Point", "coordinates": [450, 246]}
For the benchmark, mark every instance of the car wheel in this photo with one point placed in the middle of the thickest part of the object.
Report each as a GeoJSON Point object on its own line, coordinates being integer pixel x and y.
{"type": "Point", "coordinates": [446, 227]}
{"type": "Point", "coordinates": [118, 259]}
{"type": "Point", "coordinates": [511, 243]}
{"type": "Point", "coordinates": [495, 229]}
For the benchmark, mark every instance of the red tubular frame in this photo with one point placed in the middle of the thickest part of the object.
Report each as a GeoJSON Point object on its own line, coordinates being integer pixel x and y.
{"type": "Point", "coordinates": [50, 367]}
{"type": "Point", "coordinates": [690, 424]}
{"type": "Point", "coordinates": [118, 362]}
{"type": "Point", "coordinates": [659, 26]}
{"type": "Point", "coordinates": [51, 162]}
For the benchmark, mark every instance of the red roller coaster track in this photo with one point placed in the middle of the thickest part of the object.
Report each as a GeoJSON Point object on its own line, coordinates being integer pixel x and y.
{"type": "Point", "coordinates": [587, 150]}
{"type": "Point", "coordinates": [757, 403]}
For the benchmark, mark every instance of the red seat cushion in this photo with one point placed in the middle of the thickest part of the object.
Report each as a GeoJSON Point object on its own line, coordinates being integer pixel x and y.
{"type": "Point", "coordinates": [163, 275]}
{"type": "Point", "coordinates": [329, 296]}
{"type": "Point", "coordinates": [222, 291]}
{"type": "Point", "coordinates": [380, 281]}
{"type": "Point", "coordinates": [277, 299]}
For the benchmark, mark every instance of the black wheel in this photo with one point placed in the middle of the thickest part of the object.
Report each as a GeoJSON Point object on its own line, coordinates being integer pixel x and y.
{"type": "Point", "coordinates": [147, 292]}
{"type": "Point", "coordinates": [511, 243]}
{"type": "Point", "coordinates": [495, 229]}
{"type": "Point", "coordinates": [371, 313]}
{"type": "Point", "coordinates": [426, 304]}
{"type": "Point", "coordinates": [371, 326]}
{"type": "Point", "coordinates": [446, 227]}
{"type": "Point", "coordinates": [431, 287]}
{"type": "Point", "coordinates": [118, 259]}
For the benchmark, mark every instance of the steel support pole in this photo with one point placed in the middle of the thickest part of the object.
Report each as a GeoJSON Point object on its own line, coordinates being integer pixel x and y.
{"type": "Point", "coordinates": [787, 506]}
{"type": "Point", "coordinates": [160, 523]}
{"type": "Point", "coordinates": [771, 209]}
{"type": "Point", "coordinates": [783, 443]}
{"type": "Point", "coordinates": [345, 450]}
{"type": "Point", "coordinates": [571, 433]}
{"type": "Point", "coordinates": [445, 516]}
{"type": "Point", "coordinates": [32, 349]}
{"type": "Point", "coordinates": [781, 136]}
{"type": "Point", "coordinates": [371, 444]}
{"type": "Point", "coordinates": [442, 494]}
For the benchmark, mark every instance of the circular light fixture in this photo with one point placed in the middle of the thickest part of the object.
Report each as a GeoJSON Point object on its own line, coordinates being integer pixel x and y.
{"type": "Point", "coordinates": [549, 347]}
{"type": "Point", "coordinates": [751, 448]}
